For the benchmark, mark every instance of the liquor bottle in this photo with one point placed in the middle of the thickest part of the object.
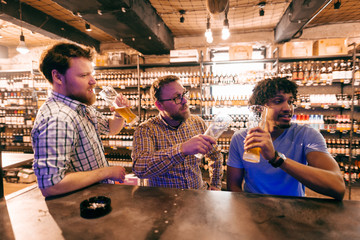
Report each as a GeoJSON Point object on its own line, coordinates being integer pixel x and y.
{"type": "Point", "coordinates": [329, 73]}
{"type": "Point", "coordinates": [323, 73]}
{"type": "Point", "coordinates": [348, 72]}
{"type": "Point", "coordinates": [342, 71]}
{"type": "Point", "coordinates": [357, 73]}
{"type": "Point", "coordinates": [336, 71]}
{"type": "Point", "coordinates": [294, 71]}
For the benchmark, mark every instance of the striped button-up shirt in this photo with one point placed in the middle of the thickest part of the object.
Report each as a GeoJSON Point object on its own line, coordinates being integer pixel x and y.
{"type": "Point", "coordinates": [66, 138]}
{"type": "Point", "coordinates": [156, 155]}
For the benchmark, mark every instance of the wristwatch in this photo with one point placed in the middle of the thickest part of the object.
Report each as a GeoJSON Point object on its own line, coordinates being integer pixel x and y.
{"type": "Point", "coordinates": [278, 159]}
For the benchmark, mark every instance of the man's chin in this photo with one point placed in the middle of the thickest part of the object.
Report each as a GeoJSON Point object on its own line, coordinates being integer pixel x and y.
{"type": "Point", "coordinates": [284, 126]}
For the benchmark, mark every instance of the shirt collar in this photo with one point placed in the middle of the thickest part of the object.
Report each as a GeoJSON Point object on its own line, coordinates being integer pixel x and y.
{"type": "Point", "coordinates": [73, 104]}
{"type": "Point", "coordinates": [161, 119]}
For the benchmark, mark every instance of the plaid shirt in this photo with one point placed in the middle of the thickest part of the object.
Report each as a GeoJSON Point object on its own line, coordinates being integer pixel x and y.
{"type": "Point", "coordinates": [157, 156]}
{"type": "Point", "coordinates": [66, 138]}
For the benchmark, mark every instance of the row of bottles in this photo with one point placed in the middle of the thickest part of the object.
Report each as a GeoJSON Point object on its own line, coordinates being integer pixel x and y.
{"type": "Point", "coordinates": [119, 159]}
{"type": "Point", "coordinates": [22, 116]}
{"type": "Point", "coordinates": [116, 79]}
{"type": "Point", "coordinates": [342, 146]}
{"type": "Point", "coordinates": [41, 83]}
{"type": "Point", "coordinates": [120, 140]}
{"type": "Point", "coordinates": [350, 173]}
{"type": "Point", "coordinates": [13, 80]}
{"type": "Point", "coordinates": [16, 137]}
{"type": "Point", "coordinates": [327, 100]}
{"type": "Point", "coordinates": [186, 78]}
{"type": "Point", "coordinates": [330, 123]}
{"type": "Point", "coordinates": [315, 73]}
{"type": "Point", "coordinates": [20, 97]}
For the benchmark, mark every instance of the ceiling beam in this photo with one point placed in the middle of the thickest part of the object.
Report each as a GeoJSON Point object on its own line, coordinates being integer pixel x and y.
{"type": "Point", "coordinates": [40, 22]}
{"type": "Point", "coordinates": [296, 17]}
{"type": "Point", "coordinates": [134, 22]}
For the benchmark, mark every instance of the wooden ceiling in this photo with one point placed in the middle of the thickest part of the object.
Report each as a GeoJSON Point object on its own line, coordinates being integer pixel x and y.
{"type": "Point", "coordinates": [243, 16]}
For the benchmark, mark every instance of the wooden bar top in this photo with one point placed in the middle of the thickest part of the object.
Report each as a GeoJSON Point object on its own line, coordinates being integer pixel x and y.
{"type": "Point", "coordinates": [162, 213]}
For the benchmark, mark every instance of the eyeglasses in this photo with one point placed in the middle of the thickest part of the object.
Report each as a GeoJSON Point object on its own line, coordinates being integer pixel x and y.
{"type": "Point", "coordinates": [178, 99]}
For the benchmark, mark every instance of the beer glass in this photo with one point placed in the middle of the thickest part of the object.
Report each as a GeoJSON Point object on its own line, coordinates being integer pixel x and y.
{"type": "Point", "coordinates": [257, 118]}
{"type": "Point", "coordinates": [218, 125]}
{"type": "Point", "coordinates": [109, 94]}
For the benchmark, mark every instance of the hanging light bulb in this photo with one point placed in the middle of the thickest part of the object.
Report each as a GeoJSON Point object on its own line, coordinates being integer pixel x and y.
{"type": "Point", "coordinates": [22, 46]}
{"type": "Point", "coordinates": [208, 33]}
{"type": "Point", "coordinates": [225, 33]}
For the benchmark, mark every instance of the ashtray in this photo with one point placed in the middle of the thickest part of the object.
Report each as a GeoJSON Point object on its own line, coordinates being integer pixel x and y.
{"type": "Point", "coordinates": [95, 207]}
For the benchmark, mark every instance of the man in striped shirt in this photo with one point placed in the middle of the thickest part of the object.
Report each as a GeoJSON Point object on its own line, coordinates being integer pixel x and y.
{"type": "Point", "coordinates": [164, 146]}
{"type": "Point", "coordinates": [68, 152]}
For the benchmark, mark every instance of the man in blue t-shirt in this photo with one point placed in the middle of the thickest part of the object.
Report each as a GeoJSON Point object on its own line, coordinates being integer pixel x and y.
{"type": "Point", "coordinates": [292, 156]}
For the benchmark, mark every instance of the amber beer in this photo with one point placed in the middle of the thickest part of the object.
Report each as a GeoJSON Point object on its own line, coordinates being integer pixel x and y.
{"type": "Point", "coordinates": [127, 114]}
{"type": "Point", "coordinates": [257, 118]}
{"type": "Point", "coordinates": [252, 155]}
{"type": "Point", "coordinates": [109, 94]}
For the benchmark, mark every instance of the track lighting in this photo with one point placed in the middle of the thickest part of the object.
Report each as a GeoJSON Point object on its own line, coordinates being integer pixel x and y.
{"type": "Point", "coordinates": [22, 46]}
{"type": "Point", "coordinates": [182, 19]}
{"type": "Point", "coordinates": [337, 4]}
{"type": "Point", "coordinates": [208, 33]}
{"type": "Point", "coordinates": [87, 27]}
{"type": "Point", "coordinates": [261, 10]}
{"type": "Point", "coordinates": [225, 33]}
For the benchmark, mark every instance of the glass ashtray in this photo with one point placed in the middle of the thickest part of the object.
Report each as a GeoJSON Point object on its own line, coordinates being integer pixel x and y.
{"type": "Point", "coordinates": [95, 207]}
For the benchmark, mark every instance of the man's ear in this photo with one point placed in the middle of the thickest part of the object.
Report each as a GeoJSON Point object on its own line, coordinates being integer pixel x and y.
{"type": "Point", "coordinates": [57, 77]}
{"type": "Point", "coordinates": [159, 105]}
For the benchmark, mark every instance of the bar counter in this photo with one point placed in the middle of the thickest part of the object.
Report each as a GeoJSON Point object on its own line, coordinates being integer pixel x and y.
{"type": "Point", "coordinates": [160, 213]}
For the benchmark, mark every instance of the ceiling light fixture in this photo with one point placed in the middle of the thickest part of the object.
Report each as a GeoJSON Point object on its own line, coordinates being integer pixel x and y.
{"type": "Point", "coordinates": [261, 6]}
{"type": "Point", "coordinates": [208, 33]}
{"type": "Point", "coordinates": [225, 33]}
{"type": "Point", "coordinates": [21, 48]}
{"type": "Point", "coordinates": [88, 27]}
{"type": "Point", "coordinates": [182, 12]}
{"type": "Point", "coordinates": [337, 4]}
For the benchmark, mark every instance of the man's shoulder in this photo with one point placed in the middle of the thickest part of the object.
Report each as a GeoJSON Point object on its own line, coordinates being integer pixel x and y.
{"type": "Point", "coordinates": [53, 109]}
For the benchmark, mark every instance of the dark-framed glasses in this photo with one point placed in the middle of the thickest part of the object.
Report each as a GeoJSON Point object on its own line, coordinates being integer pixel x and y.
{"type": "Point", "coordinates": [179, 99]}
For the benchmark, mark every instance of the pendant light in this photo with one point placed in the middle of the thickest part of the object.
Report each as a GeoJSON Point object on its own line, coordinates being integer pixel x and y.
{"type": "Point", "coordinates": [21, 48]}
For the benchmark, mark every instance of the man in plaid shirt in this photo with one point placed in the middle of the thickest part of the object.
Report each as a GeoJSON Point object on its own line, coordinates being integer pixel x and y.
{"type": "Point", "coordinates": [68, 152]}
{"type": "Point", "coordinates": [164, 146]}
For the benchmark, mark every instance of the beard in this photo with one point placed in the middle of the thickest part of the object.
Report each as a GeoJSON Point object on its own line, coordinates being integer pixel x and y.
{"type": "Point", "coordinates": [181, 116]}
{"type": "Point", "coordinates": [283, 126]}
{"type": "Point", "coordinates": [84, 99]}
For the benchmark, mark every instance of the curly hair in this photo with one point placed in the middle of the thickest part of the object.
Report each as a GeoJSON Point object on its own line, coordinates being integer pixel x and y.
{"type": "Point", "coordinates": [155, 90]}
{"type": "Point", "coordinates": [58, 57]}
{"type": "Point", "coordinates": [268, 88]}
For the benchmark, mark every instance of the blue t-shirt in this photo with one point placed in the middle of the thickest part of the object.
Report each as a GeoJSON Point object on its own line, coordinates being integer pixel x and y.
{"type": "Point", "coordinates": [295, 142]}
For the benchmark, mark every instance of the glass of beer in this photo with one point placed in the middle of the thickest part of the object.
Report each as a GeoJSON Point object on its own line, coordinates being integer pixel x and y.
{"type": "Point", "coordinates": [257, 118]}
{"type": "Point", "coordinates": [109, 94]}
{"type": "Point", "coordinates": [218, 125]}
